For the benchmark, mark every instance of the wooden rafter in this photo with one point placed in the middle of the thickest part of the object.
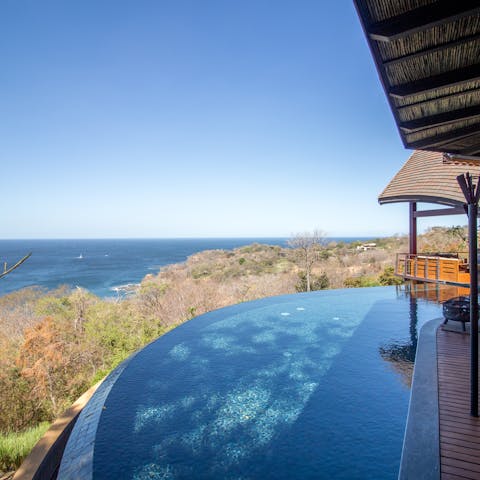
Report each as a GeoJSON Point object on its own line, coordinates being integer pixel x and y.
{"type": "Point", "coordinates": [430, 50]}
{"type": "Point", "coordinates": [441, 119]}
{"type": "Point", "coordinates": [429, 84]}
{"type": "Point", "coordinates": [443, 138]}
{"type": "Point", "coordinates": [421, 19]}
{"type": "Point", "coordinates": [474, 151]}
{"type": "Point", "coordinates": [438, 98]}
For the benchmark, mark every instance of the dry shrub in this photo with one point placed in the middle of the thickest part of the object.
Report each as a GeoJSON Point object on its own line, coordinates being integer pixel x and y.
{"type": "Point", "coordinates": [17, 312]}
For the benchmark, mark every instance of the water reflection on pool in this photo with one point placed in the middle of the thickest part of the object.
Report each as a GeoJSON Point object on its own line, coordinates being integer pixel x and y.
{"type": "Point", "coordinates": [301, 386]}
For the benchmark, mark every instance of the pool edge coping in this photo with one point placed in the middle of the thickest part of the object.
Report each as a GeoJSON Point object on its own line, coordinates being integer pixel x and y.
{"type": "Point", "coordinates": [77, 458]}
{"type": "Point", "coordinates": [421, 445]}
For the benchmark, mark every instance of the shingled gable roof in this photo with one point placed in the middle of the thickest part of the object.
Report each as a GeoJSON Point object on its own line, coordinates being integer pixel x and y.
{"type": "Point", "coordinates": [429, 177]}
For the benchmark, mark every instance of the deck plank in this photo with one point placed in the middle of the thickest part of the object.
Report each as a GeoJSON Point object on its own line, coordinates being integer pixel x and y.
{"type": "Point", "coordinates": [459, 432]}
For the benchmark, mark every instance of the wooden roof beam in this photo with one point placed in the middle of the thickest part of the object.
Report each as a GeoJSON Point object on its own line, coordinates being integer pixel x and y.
{"type": "Point", "coordinates": [430, 50]}
{"type": "Point", "coordinates": [463, 157]}
{"type": "Point", "coordinates": [440, 119]}
{"type": "Point", "coordinates": [473, 151]}
{"type": "Point", "coordinates": [448, 79]}
{"type": "Point", "coordinates": [432, 142]}
{"type": "Point", "coordinates": [440, 97]}
{"type": "Point", "coordinates": [421, 19]}
{"type": "Point", "coordinates": [439, 212]}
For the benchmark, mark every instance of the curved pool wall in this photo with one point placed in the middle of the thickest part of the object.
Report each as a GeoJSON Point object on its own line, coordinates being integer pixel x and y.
{"type": "Point", "coordinates": [299, 386]}
{"type": "Point", "coordinates": [77, 460]}
{"type": "Point", "coordinates": [421, 446]}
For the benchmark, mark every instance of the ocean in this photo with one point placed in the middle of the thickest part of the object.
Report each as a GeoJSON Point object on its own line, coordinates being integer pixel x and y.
{"type": "Point", "coordinates": [105, 267]}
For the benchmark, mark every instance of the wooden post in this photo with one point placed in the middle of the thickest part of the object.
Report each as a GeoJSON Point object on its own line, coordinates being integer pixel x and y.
{"type": "Point", "coordinates": [472, 247]}
{"type": "Point", "coordinates": [471, 193]}
{"type": "Point", "coordinates": [413, 229]}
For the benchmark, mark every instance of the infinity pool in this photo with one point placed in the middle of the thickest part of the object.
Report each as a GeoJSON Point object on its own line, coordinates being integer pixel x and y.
{"type": "Point", "coordinates": [295, 387]}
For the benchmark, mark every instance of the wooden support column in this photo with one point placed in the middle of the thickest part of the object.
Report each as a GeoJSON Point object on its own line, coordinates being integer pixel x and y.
{"type": "Point", "coordinates": [472, 196]}
{"type": "Point", "coordinates": [473, 258]}
{"type": "Point", "coordinates": [413, 229]}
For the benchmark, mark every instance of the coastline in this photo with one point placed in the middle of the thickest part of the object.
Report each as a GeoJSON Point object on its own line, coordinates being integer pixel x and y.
{"type": "Point", "coordinates": [105, 267]}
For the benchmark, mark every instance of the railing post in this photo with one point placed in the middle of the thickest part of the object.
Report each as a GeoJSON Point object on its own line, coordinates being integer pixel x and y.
{"type": "Point", "coordinates": [413, 228]}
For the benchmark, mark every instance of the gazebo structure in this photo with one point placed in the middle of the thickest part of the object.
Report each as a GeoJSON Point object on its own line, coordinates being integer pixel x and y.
{"type": "Point", "coordinates": [431, 177]}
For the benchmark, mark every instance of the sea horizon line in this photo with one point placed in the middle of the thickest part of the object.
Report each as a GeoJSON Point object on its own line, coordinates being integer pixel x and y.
{"type": "Point", "coordinates": [248, 237]}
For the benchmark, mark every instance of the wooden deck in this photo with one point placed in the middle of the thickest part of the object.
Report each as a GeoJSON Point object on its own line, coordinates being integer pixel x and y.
{"type": "Point", "coordinates": [459, 432]}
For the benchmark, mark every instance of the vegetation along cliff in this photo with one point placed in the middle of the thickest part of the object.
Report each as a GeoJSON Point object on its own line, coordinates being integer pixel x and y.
{"type": "Point", "coordinates": [54, 345]}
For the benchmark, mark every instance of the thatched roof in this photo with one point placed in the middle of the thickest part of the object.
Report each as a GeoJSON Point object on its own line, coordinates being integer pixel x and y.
{"type": "Point", "coordinates": [427, 54]}
{"type": "Point", "coordinates": [429, 177]}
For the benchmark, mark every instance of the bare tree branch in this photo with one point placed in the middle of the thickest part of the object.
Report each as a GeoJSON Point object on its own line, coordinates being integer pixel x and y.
{"type": "Point", "coordinates": [308, 245]}
{"type": "Point", "coordinates": [7, 270]}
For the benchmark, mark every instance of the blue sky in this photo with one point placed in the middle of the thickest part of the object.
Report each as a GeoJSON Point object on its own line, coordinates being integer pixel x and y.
{"type": "Point", "coordinates": [192, 119]}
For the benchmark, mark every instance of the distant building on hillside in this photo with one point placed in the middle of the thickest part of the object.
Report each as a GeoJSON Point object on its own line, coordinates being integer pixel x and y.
{"type": "Point", "coordinates": [366, 246]}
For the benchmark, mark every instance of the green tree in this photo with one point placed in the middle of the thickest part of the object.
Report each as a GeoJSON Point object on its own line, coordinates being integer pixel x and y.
{"type": "Point", "coordinates": [388, 277]}
{"type": "Point", "coordinates": [360, 282]}
{"type": "Point", "coordinates": [317, 283]}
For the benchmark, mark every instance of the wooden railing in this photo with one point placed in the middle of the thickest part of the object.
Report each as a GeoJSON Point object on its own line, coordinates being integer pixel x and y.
{"type": "Point", "coordinates": [440, 268]}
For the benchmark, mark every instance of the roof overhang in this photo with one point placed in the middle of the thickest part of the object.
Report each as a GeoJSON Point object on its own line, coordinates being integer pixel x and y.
{"type": "Point", "coordinates": [430, 177]}
{"type": "Point", "coordinates": [418, 198]}
{"type": "Point", "coordinates": [427, 55]}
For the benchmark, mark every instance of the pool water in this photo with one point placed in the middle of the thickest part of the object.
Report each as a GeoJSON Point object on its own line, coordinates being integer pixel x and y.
{"type": "Point", "coordinates": [294, 387]}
